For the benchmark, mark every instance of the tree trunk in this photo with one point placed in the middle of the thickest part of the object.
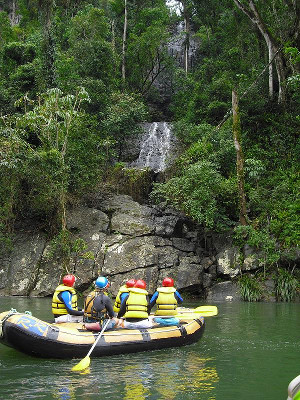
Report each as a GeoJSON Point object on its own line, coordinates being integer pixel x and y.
{"type": "Point", "coordinates": [271, 87]}
{"type": "Point", "coordinates": [187, 38]}
{"type": "Point", "coordinates": [45, 8]}
{"type": "Point", "coordinates": [236, 128]}
{"type": "Point", "coordinates": [273, 48]}
{"type": "Point", "coordinates": [124, 42]}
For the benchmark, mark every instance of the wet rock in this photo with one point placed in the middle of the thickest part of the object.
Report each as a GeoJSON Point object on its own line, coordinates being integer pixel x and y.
{"type": "Point", "coordinates": [221, 291]}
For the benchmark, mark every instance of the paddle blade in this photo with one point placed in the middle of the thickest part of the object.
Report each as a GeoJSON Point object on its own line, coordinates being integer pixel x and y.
{"type": "Point", "coordinates": [207, 310]}
{"type": "Point", "coordinates": [187, 316]}
{"type": "Point", "coordinates": [83, 364]}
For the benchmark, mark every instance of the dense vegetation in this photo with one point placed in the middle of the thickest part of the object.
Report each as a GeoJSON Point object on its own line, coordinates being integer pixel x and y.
{"type": "Point", "coordinates": [77, 78]}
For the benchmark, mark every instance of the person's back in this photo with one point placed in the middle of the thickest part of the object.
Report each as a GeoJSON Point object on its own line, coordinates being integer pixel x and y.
{"type": "Point", "coordinates": [122, 294]}
{"type": "Point", "coordinates": [64, 302]}
{"type": "Point", "coordinates": [98, 307]}
{"type": "Point", "coordinates": [134, 308]}
{"type": "Point", "coordinates": [90, 314]}
{"type": "Point", "coordinates": [166, 298]}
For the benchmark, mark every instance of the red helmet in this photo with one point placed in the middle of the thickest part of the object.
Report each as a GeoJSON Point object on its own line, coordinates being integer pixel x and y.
{"type": "Point", "coordinates": [168, 282]}
{"type": "Point", "coordinates": [130, 283]}
{"type": "Point", "coordinates": [69, 280]}
{"type": "Point", "coordinates": [140, 284]}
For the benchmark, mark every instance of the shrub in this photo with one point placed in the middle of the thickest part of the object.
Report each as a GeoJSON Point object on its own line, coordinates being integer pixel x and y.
{"type": "Point", "coordinates": [286, 285]}
{"type": "Point", "coordinates": [250, 288]}
{"type": "Point", "coordinates": [198, 193]}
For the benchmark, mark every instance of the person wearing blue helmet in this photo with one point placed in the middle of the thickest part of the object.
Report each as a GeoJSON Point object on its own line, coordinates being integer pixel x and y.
{"type": "Point", "coordinates": [98, 307]}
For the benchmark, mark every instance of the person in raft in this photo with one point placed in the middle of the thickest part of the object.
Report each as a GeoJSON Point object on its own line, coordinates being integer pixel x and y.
{"type": "Point", "coordinates": [123, 291]}
{"type": "Point", "coordinates": [90, 314]}
{"type": "Point", "coordinates": [166, 299]}
{"type": "Point", "coordinates": [98, 307]}
{"type": "Point", "coordinates": [64, 302]}
{"type": "Point", "coordinates": [133, 312]}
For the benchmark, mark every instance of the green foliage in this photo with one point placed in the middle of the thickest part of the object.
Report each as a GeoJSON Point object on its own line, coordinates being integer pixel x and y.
{"type": "Point", "coordinates": [87, 57]}
{"type": "Point", "coordinates": [13, 149]}
{"type": "Point", "coordinates": [294, 54]}
{"type": "Point", "coordinates": [20, 69]}
{"type": "Point", "coordinates": [206, 143]}
{"type": "Point", "coordinates": [198, 192]}
{"type": "Point", "coordinates": [274, 202]}
{"type": "Point", "coordinates": [250, 288]}
{"type": "Point", "coordinates": [6, 30]}
{"type": "Point", "coordinates": [69, 249]}
{"type": "Point", "coordinates": [261, 240]}
{"type": "Point", "coordinates": [46, 149]}
{"type": "Point", "coordinates": [123, 117]}
{"type": "Point", "coordinates": [286, 285]}
{"type": "Point", "coordinates": [137, 183]}
{"type": "Point", "coordinates": [146, 51]}
{"type": "Point", "coordinates": [16, 53]}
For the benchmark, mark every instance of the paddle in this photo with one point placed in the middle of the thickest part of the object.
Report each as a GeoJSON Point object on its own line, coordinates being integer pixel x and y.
{"type": "Point", "coordinates": [85, 362]}
{"type": "Point", "coordinates": [206, 311]}
{"type": "Point", "coordinates": [192, 313]}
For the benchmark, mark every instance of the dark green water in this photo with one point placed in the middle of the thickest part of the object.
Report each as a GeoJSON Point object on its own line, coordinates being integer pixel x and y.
{"type": "Point", "coordinates": [248, 352]}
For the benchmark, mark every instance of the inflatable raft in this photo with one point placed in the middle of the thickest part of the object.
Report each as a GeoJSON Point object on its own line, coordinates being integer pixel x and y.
{"type": "Point", "coordinates": [35, 337]}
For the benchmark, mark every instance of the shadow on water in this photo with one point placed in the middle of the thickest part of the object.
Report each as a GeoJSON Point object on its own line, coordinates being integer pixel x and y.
{"type": "Point", "coordinates": [249, 351]}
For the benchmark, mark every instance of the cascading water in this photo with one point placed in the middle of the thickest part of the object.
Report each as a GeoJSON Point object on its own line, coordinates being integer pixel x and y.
{"type": "Point", "coordinates": [155, 147]}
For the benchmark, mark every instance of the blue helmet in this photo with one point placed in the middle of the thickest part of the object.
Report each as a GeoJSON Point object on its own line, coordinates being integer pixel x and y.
{"type": "Point", "coordinates": [102, 282]}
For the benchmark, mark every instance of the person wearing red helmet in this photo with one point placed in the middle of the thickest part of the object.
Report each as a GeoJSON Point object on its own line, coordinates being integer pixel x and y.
{"type": "Point", "coordinates": [124, 289]}
{"type": "Point", "coordinates": [166, 298]}
{"type": "Point", "coordinates": [133, 312]}
{"type": "Point", "coordinates": [64, 302]}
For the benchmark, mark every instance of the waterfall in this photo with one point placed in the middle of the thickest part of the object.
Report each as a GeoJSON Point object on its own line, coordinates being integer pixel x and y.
{"type": "Point", "coordinates": [155, 147]}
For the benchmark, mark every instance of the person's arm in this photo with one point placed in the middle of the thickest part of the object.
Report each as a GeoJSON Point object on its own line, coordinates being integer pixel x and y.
{"type": "Point", "coordinates": [66, 298]}
{"type": "Point", "coordinates": [148, 304]}
{"type": "Point", "coordinates": [109, 307]}
{"type": "Point", "coordinates": [152, 301]}
{"type": "Point", "coordinates": [178, 297]}
{"type": "Point", "coordinates": [123, 296]}
{"type": "Point", "coordinates": [123, 306]}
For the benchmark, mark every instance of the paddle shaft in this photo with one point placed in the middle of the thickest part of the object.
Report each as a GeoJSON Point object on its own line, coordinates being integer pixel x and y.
{"type": "Point", "coordinates": [98, 338]}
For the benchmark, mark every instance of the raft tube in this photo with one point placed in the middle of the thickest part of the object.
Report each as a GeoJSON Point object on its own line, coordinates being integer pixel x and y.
{"type": "Point", "coordinates": [38, 338]}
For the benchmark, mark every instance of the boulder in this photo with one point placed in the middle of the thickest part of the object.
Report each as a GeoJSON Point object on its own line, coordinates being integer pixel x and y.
{"type": "Point", "coordinates": [228, 262]}
{"type": "Point", "coordinates": [19, 269]}
{"type": "Point", "coordinates": [224, 291]}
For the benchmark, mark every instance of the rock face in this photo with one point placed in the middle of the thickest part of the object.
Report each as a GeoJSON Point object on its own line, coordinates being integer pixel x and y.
{"type": "Point", "coordinates": [123, 239]}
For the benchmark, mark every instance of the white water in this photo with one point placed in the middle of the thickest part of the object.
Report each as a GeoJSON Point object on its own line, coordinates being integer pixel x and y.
{"type": "Point", "coordinates": [155, 148]}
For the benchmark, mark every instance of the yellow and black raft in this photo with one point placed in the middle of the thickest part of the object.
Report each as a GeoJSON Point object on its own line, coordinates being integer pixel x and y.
{"type": "Point", "coordinates": [35, 337]}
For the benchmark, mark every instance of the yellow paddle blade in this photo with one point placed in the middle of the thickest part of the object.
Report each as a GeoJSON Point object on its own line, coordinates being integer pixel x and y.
{"type": "Point", "coordinates": [83, 364]}
{"type": "Point", "coordinates": [202, 311]}
{"type": "Point", "coordinates": [211, 310]}
{"type": "Point", "coordinates": [207, 311]}
{"type": "Point", "coordinates": [191, 316]}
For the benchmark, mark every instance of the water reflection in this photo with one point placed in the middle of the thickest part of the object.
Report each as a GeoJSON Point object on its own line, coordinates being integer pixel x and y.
{"type": "Point", "coordinates": [66, 392]}
{"type": "Point", "coordinates": [166, 375]}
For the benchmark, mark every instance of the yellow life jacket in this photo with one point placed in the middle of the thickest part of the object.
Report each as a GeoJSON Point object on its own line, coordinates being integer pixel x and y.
{"type": "Point", "coordinates": [166, 301]}
{"type": "Point", "coordinates": [117, 305]}
{"type": "Point", "coordinates": [137, 304]}
{"type": "Point", "coordinates": [58, 307]}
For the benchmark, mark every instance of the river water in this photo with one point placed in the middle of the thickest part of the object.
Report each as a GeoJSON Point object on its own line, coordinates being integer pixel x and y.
{"type": "Point", "coordinates": [250, 351]}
